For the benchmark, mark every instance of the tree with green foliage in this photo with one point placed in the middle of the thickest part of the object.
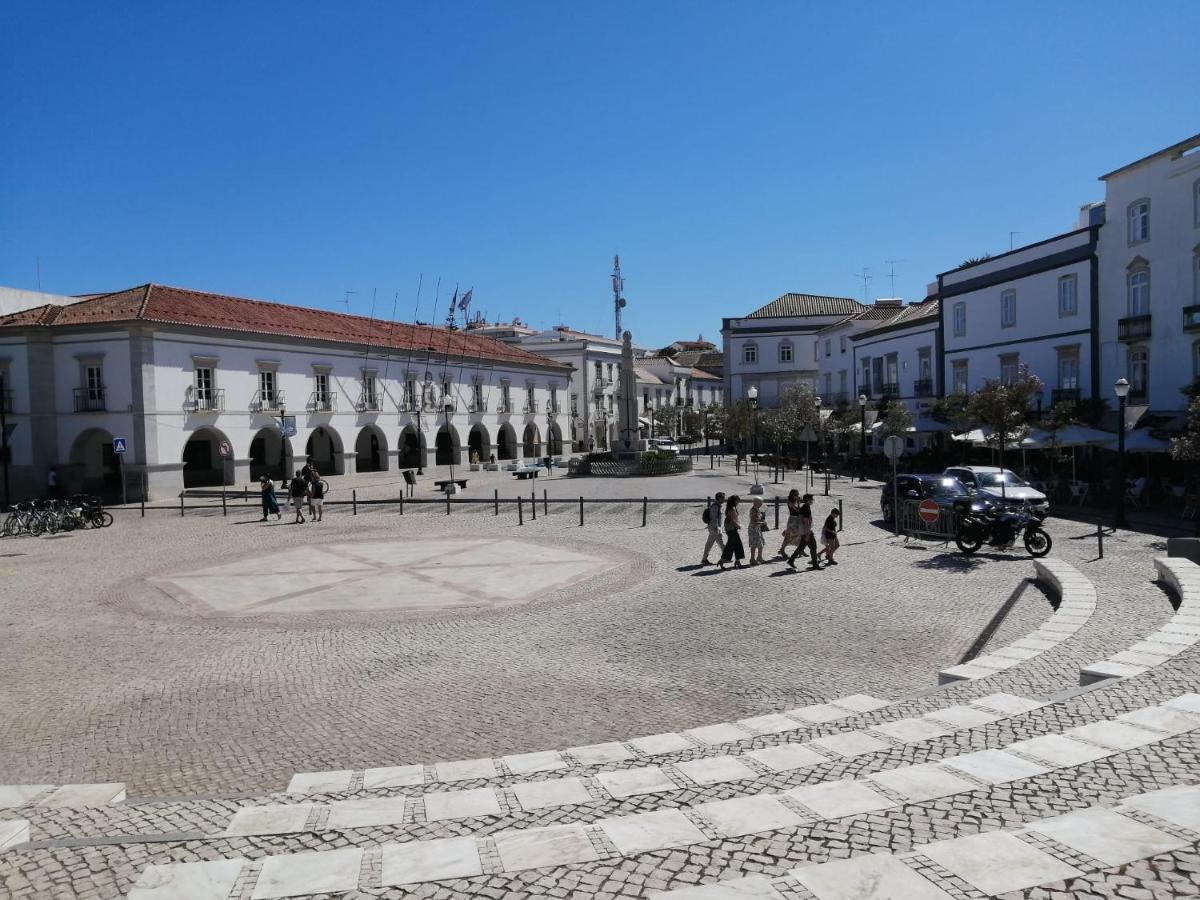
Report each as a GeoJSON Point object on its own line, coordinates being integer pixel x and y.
{"type": "Point", "coordinates": [1003, 407]}
{"type": "Point", "coordinates": [666, 420]}
{"type": "Point", "coordinates": [1186, 447]}
{"type": "Point", "coordinates": [896, 421]}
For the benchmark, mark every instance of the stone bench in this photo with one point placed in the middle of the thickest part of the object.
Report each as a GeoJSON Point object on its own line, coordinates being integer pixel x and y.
{"type": "Point", "coordinates": [1181, 631]}
{"type": "Point", "coordinates": [1077, 602]}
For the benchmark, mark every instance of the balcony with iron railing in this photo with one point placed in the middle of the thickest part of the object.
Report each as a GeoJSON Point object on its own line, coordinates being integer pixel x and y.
{"type": "Point", "coordinates": [923, 387]}
{"type": "Point", "coordinates": [369, 403]}
{"type": "Point", "coordinates": [272, 401]}
{"type": "Point", "coordinates": [322, 402]}
{"type": "Point", "coordinates": [1133, 328]}
{"type": "Point", "coordinates": [89, 399]}
{"type": "Point", "coordinates": [889, 389]}
{"type": "Point", "coordinates": [504, 407]}
{"type": "Point", "coordinates": [553, 408]}
{"type": "Point", "coordinates": [477, 406]}
{"type": "Point", "coordinates": [1064, 395]}
{"type": "Point", "coordinates": [1138, 394]}
{"type": "Point", "coordinates": [210, 401]}
{"type": "Point", "coordinates": [1191, 318]}
{"type": "Point", "coordinates": [531, 406]}
{"type": "Point", "coordinates": [599, 385]}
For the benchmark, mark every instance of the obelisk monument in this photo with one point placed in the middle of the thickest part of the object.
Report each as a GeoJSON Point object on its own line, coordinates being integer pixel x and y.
{"type": "Point", "coordinates": [628, 434]}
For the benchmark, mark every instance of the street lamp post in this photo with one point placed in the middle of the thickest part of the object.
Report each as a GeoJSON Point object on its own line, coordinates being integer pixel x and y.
{"type": "Point", "coordinates": [447, 408]}
{"type": "Point", "coordinates": [862, 408]}
{"type": "Point", "coordinates": [1121, 389]}
{"type": "Point", "coordinates": [752, 396]}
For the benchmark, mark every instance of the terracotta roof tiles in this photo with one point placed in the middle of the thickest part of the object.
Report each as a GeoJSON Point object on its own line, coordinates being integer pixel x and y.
{"type": "Point", "coordinates": [807, 305]}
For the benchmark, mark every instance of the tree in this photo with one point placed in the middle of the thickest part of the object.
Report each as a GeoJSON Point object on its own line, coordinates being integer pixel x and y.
{"type": "Point", "coordinates": [693, 425]}
{"type": "Point", "coordinates": [1186, 447]}
{"type": "Point", "coordinates": [1004, 407]}
{"type": "Point", "coordinates": [953, 410]}
{"type": "Point", "coordinates": [896, 421]}
{"type": "Point", "coordinates": [665, 419]}
{"type": "Point", "coordinates": [732, 422]}
{"type": "Point", "coordinates": [972, 260]}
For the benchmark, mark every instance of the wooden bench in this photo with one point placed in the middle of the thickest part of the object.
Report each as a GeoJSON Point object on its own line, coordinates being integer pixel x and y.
{"type": "Point", "coordinates": [441, 485]}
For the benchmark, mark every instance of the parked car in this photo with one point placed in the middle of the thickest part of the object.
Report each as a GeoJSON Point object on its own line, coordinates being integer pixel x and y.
{"type": "Point", "coordinates": [1000, 485]}
{"type": "Point", "coordinates": [663, 445]}
{"type": "Point", "coordinates": [942, 489]}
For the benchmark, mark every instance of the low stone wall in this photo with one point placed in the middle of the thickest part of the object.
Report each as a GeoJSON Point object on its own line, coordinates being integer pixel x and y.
{"type": "Point", "coordinates": [629, 468]}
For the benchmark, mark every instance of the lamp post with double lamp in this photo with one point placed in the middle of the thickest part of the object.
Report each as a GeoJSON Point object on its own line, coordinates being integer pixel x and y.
{"type": "Point", "coordinates": [752, 396]}
{"type": "Point", "coordinates": [862, 408]}
{"type": "Point", "coordinates": [1121, 389]}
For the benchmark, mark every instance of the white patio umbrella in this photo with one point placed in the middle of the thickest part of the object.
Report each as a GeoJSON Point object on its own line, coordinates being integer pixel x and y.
{"type": "Point", "coordinates": [1142, 441]}
{"type": "Point", "coordinates": [1071, 436]}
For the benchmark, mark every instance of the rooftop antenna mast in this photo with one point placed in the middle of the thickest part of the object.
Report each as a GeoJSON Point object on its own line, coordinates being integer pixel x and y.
{"type": "Point", "coordinates": [1011, 235]}
{"type": "Point", "coordinates": [866, 280]}
{"type": "Point", "coordinates": [892, 264]}
{"type": "Point", "coordinates": [618, 289]}
{"type": "Point", "coordinates": [346, 301]}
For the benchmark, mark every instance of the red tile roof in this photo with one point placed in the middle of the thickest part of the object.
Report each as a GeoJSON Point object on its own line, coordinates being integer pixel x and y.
{"type": "Point", "coordinates": [807, 305]}
{"type": "Point", "coordinates": [160, 304]}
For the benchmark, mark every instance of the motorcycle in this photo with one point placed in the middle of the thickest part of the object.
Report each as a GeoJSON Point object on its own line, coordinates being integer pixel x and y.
{"type": "Point", "coordinates": [999, 528]}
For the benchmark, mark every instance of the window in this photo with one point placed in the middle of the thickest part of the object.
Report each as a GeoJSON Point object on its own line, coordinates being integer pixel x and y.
{"type": "Point", "coordinates": [960, 319]}
{"type": "Point", "coordinates": [1008, 309]}
{"type": "Point", "coordinates": [530, 402]}
{"type": "Point", "coordinates": [828, 384]}
{"type": "Point", "coordinates": [1196, 361]}
{"type": "Point", "coordinates": [553, 399]}
{"type": "Point", "coordinates": [785, 352]}
{"type": "Point", "coordinates": [1139, 373]}
{"type": "Point", "coordinates": [599, 372]}
{"type": "Point", "coordinates": [1009, 364]}
{"type": "Point", "coordinates": [842, 383]}
{"type": "Point", "coordinates": [1067, 296]}
{"type": "Point", "coordinates": [608, 373]}
{"type": "Point", "coordinates": [749, 354]}
{"type": "Point", "coordinates": [958, 376]}
{"type": "Point", "coordinates": [447, 390]}
{"type": "Point", "coordinates": [645, 401]}
{"type": "Point", "coordinates": [477, 396]}
{"type": "Point", "coordinates": [506, 396]}
{"type": "Point", "coordinates": [574, 404]}
{"type": "Point", "coordinates": [1139, 292]}
{"type": "Point", "coordinates": [864, 386]}
{"type": "Point", "coordinates": [321, 384]}
{"type": "Point", "coordinates": [842, 341]}
{"type": "Point", "coordinates": [877, 374]}
{"type": "Point", "coordinates": [369, 400]}
{"type": "Point", "coordinates": [1068, 368]}
{"type": "Point", "coordinates": [204, 386]}
{"type": "Point", "coordinates": [94, 382]}
{"type": "Point", "coordinates": [410, 393]}
{"type": "Point", "coordinates": [816, 350]}
{"type": "Point", "coordinates": [925, 364]}
{"type": "Point", "coordinates": [1139, 221]}
{"type": "Point", "coordinates": [891, 382]}
{"type": "Point", "coordinates": [266, 389]}
{"type": "Point", "coordinates": [828, 347]}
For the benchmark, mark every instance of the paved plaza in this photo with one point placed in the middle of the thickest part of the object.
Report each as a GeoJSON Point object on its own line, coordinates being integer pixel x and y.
{"type": "Point", "coordinates": [435, 705]}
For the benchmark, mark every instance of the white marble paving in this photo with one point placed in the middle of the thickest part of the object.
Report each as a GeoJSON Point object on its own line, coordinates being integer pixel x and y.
{"type": "Point", "coordinates": [1161, 718]}
{"type": "Point", "coordinates": [645, 832]}
{"type": "Point", "coordinates": [1060, 750]}
{"type": "Point", "coordinates": [442, 805]}
{"type": "Point", "coordinates": [535, 848]}
{"type": "Point", "coordinates": [599, 754]}
{"type": "Point", "coordinates": [273, 819]}
{"type": "Point", "coordinates": [211, 880]}
{"type": "Point", "coordinates": [994, 766]}
{"type": "Point", "coordinates": [13, 832]}
{"type": "Point", "coordinates": [73, 796]}
{"type": "Point", "coordinates": [721, 733]}
{"type": "Point", "coordinates": [787, 757]}
{"type": "Point", "coordinates": [917, 784]}
{"type": "Point", "coordinates": [835, 799]}
{"type": "Point", "coordinates": [911, 731]}
{"type": "Point", "coordinates": [963, 716]}
{"type": "Point", "coordinates": [1186, 702]}
{"type": "Point", "coordinates": [393, 776]}
{"type": "Point", "coordinates": [1177, 805]}
{"type": "Point", "coordinates": [530, 763]}
{"type": "Point", "coordinates": [820, 713]}
{"type": "Point", "coordinates": [756, 887]}
{"type": "Point", "coordinates": [1107, 836]}
{"type": "Point", "coordinates": [655, 744]}
{"type": "Point", "coordinates": [366, 812]}
{"type": "Point", "coordinates": [557, 792]}
{"type": "Point", "coordinates": [873, 877]}
{"type": "Point", "coordinates": [771, 723]}
{"type": "Point", "coordinates": [320, 782]}
{"type": "Point", "coordinates": [715, 770]}
{"type": "Point", "coordinates": [466, 770]}
{"type": "Point", "coordinates": [997, 862]}
{"type": "Point", "coordinates": [1115, 734]}
{"type": "Point", "coordinates": [861, 703]}
{"type": "Point", "coordinates": [740, 816]}
{"type": "Point", "coordinates": [13, 795]}
{"type": "Point", "coordinates": [315, 872]}
{"type": "Point", "coordinates": [850, 743]}
{"type": "Point", "coordinates": [416, 861]}
{"type": "Point", "coordinates": [631, 782]}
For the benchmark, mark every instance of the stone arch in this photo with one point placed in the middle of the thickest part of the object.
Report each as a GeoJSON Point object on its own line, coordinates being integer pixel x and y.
{"type": "Point", "coordinates": [554, 440]}
{"type": "Point", "coordinates": [96, 467]}
{"type": "Point", "coordinates": [202, 462]}
{"type": "Point", "coordinates": [270, 455]}
{"type": "Point", "coordinates": [479, 443]}
{"type": "Point", "coordinates": [324, 447]}
{"type": "Point", "coordinates": [506, 442]}
{"type": "Point", "coordinates": [447, 448]}
{"type": "Point", "coordinates": [412, 448]}
{"type": "Point", "coordinates": [531, 441]}
{"type": "Point", "coordinates": [370, 450]}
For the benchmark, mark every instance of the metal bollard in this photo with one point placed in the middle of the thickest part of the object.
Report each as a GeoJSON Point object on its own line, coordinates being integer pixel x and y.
{"type": "Point", "coordinates": [645, 503]}
{"type": "Point", "coordinates": [402, 503]}
{"type": "Point", "coordinates": [841, 516]}
{"type": "Point", "coordinates": [1099, 541]}
{"type": "Point", "coordinates": [447, 501]}
{"type": "Point", "coordinates": [496, 500]}
{"type": "Point", "coordinates": [776, 513]}
{"type": "Point", "coordinates": [580, 512]}
{"type": "Point", "coordinates": [354, 502]}
{"type": "Point", "coordinates": [143, 504]}
{"type": "Point", "coordinates": [181, 504]}
{"type": "Point", "coordinates": [533, 503]}
{"type": "Point", "coordinates": [224, 511]}
{"type": "Point", "coordinates": [246, 493]}
{"type": "Point", "coordinates": [545, 503]}
{"type": "Point", "coordinates": [520, 510]}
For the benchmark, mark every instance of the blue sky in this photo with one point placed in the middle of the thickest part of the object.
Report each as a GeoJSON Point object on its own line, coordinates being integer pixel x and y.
{"type": "Point", "coordinates": [729, 152]}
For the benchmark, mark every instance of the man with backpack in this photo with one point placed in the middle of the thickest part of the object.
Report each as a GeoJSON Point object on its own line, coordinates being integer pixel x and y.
{"type": "Point", "coordinates": [712, 519]}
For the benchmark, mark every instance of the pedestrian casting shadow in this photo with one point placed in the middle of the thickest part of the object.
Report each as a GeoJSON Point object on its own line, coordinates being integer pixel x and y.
{"type": "Point", "coordinates": [955, 562]}
{"type": "Point", "coordinates": [692, 568]}
{"type": "Point", "coordinates": [709, 572]}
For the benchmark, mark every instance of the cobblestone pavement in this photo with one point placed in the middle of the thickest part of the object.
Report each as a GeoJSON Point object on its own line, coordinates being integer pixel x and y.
{"type": "Point", "coordinates": [107, 678]}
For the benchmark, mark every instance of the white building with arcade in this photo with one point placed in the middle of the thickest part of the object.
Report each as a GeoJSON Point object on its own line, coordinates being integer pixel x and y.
{"type": "Point", "coordinates": [182, 375]}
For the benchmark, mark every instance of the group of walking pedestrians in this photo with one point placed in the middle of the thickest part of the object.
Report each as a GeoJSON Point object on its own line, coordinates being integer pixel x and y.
{"type": "Point", "coordinates": [724, 531]}
{"type": "Point", "coordinates": [305, 489]}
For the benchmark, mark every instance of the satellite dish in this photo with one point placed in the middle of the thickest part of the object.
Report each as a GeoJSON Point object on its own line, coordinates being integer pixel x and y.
{"type": "Point", "coordinates": [622, 303]}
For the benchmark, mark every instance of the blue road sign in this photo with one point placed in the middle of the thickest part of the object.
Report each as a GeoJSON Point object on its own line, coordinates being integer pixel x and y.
{"type": "Point", "coordinates": [118, 445]}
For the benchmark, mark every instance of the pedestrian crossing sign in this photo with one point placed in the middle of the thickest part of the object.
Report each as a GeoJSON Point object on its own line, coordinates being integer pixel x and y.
{"type": "Point", "coordinates": [118, 445]}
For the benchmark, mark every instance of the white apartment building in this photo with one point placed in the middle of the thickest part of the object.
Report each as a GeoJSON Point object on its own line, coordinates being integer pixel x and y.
{"type": "Point", "coordinates": [663, 381]}
{"type": "Point", "coordinates": [209, 389]}
{"type": "Point", "coordinates": [836, 382]}
{"type": "Point", "coordinates": [779, 345]}
{"type": "Point", "coordinates": [1149, 305]}
{"type": "Point", "coordinates": [595, 382]}
{"type": "Point", "coordinates": [1034, 306]}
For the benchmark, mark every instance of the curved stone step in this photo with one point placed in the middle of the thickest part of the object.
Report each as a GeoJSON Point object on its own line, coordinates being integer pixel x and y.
{"type": "Point", "coordinates": [1179, 633]}
{"type": "Point", "coordinates": [415, 862]}
{"type": "Point", "coordinates": [991, 863]}
{"type": "Point", "coordinates": [15, 796]}
{"type": "Point", "coordinates": [1077, 603]}
{"type": "Point", "coordinates": [344, 780]}
{"type": "Point", "coordinates": [13, 832]}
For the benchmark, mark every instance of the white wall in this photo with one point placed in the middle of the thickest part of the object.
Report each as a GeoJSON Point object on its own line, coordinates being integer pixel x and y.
{"type": "Point", "coordinates": [1172, 253]}
{"type": "Point", "coordinates": [769, 374]}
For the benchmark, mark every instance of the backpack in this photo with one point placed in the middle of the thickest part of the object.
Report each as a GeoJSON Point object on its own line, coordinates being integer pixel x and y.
{"type": "Point", "coordinates": [707, 515]}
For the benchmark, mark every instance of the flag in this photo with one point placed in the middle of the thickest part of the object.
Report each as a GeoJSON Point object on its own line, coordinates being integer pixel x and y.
{"type": "Point", "coordinates": [454, 299]}
{"type": "Point", "coordinates": [466, 300]}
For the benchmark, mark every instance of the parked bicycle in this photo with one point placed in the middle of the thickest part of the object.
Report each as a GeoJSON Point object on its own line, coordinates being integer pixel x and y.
{"type": "Point", "coordinates": [36, 517]}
